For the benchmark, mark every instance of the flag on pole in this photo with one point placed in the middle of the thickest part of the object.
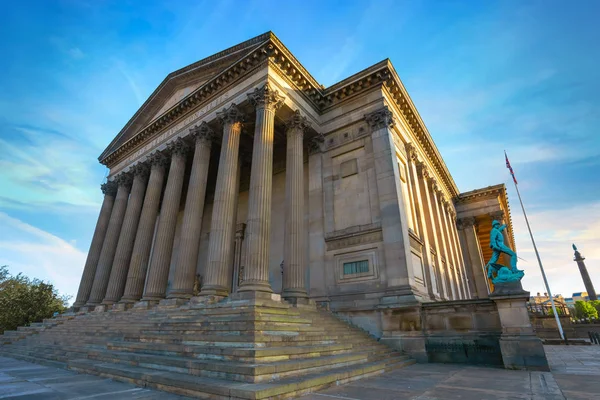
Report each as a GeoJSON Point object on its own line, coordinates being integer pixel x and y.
{"type": "Point", "coordinates": [510, 168]}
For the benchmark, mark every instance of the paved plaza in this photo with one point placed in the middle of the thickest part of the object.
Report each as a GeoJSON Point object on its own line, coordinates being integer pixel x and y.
{"type": "Point", "coordinates": [575, 376]}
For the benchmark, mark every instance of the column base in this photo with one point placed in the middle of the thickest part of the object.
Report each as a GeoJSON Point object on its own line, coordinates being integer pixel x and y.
{"type": "Point", "coordinates": [108, 303]}
{"type": "Point", "coordinates": [256, 286]}
{"type": "Point", "coordinates": [294, 293]}
{"type": "Point", "coordinates": [145, 304]}
{"type": "Point", "coordinates": [121, 306]}
{"type": "Point", "coordinates": [172, 303]}
{"type": "Point", "coordinates": [180, 295]}
{"type": "Point", "coordinates": [129, 300]}
{"type": "Point", "coordinates": [214, 290]}
{"type": "Point", "coordinates": [201, 301]}
{"type": "Point", "coordinates": [100, 308]}
{"type": "Point", "coordinates": [86, 309]}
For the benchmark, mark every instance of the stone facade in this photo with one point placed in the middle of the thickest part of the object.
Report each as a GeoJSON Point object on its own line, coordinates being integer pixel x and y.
{"type": "Point", "coordinates": [251, 177]}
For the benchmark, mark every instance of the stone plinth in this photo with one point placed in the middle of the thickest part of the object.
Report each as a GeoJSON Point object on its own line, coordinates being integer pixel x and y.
{"type": "Point", "coordinates": [520, 347]}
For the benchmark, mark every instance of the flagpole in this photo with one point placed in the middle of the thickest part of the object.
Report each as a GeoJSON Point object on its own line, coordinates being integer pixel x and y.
{"type": "Point", "coordinates": [537, 254]}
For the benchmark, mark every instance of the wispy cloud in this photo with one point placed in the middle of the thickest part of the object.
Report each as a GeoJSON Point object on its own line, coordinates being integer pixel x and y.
{"type": "Point", "coordinates": [555, 230]}
{"type": "Point", "coordinates": [39, 254]}
{"type": "Point", "coordinates": [43, 169]}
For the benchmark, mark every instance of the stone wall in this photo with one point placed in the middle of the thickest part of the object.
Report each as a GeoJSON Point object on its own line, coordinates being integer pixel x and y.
{"type": "Point", "coordinates": [463, 331]}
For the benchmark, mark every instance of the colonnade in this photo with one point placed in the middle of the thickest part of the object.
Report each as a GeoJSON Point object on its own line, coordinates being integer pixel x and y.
{"type": "Point", "coordinates": [128, 262]}
{"type": "Point", "coordinates": [436, 224]}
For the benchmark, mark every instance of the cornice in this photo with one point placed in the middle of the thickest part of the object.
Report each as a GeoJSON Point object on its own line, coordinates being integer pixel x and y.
{"type": "Point", "coordinates": [269, 49]}
{"type": "Point", "coordinates": [479, 194]}
{"type": "Point", "coordinates": [187, 72]}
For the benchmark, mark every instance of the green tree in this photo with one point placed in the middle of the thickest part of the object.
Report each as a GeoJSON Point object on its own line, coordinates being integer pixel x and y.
{"type": "Point", "coordinates": [596, 305]}
{"type": "Point", "coordinates": [24, 301]}
{"type": "Point", "coordinates": [583, 309]}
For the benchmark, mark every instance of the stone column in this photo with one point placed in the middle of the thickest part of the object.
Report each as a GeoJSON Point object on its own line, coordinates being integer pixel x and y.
{"type": "Point", "coordinates": [109, 247]}
{"type": "Point", "coordinates": [89, 270]}
{"type": "Point", "coordinates": [118, 274]}
{"type": "Point", "coordinates": [587, 281]}
{"type": "Point", "coordinates": [158, 272]}
{"type": "Point", "coordinates": [187, 259]}
{"type": "Point", "coordinates": [238, 265]}
{"type": "Point", "coordinates": [473, 258]}
{"type": "Point", "coordinates": [459, 254]}
{"type": "Point", "coordinates": [453, 254]}
{"type": "Point", "coordinates": [316, 229]}
{"type": "Point", "coordinates": [220, 242]}
{"type": "Point", "coordinates": [140, 255]}
{"type": "Point", "coordinates": [294, 270]}
{"type": "Point", "coordinates": [429, 218]}
{"type": "Point", "coordinates": [394, 220]}
{"type": "Point", "coordinates": [445, 278]}
{"type": "Point", "coordinates": [421, 221]}
{"type": "Point", "coordinates": [256, 270]}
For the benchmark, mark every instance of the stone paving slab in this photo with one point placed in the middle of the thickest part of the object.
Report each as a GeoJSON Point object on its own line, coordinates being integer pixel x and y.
{"type": "Point", "coordinates": [574, 375]}
{"type": "Point", "coordinates": [20, 380]}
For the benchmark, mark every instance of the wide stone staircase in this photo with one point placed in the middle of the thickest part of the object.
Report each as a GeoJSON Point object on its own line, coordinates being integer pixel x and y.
{"type": "Point", "coordinates": [235, 349]}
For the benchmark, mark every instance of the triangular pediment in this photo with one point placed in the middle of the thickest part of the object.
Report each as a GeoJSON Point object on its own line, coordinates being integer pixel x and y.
{"type": "Point", "coordinates": [179, 84]}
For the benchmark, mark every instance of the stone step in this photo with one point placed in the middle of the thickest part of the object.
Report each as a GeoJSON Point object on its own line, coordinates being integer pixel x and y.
{"type": "Point", "coordinates": [204, 387]}
{"type": "Point", "coordinates": [231, 370]}
{"type": "Point", "coordinates": [236, 353]}
{"type": "Point", "coordinates": [246, 340]}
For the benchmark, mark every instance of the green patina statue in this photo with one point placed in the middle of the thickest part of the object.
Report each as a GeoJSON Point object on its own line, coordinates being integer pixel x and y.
{"type": "Point", "coordinates": [503, 274]}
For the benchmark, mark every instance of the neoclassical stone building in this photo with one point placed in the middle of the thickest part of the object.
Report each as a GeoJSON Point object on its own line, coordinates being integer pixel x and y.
{"type": "Point", "coordinates": [242, 174]}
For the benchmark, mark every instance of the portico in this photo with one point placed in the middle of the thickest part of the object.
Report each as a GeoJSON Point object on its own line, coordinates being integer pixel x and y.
{"type": "Point", "coordinates": [245, 172]}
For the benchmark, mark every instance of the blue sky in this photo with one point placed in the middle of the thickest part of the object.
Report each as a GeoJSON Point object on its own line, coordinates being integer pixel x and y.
{"type": "Point", "coordinates": [485, 76]}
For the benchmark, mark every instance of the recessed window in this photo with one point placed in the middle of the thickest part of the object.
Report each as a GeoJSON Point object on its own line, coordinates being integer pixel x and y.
{"type": "Point", "coordinates": [356, 267]}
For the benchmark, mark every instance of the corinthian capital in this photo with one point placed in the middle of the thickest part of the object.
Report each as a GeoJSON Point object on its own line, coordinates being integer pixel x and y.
{"type": "Point", "coordinates": [382, 118]}
{"type": "Point", "coordinates": [315, 143]}
{"type": "Point", "coordinates": [266, 97]}
{"type": "Point", "coordinates": [411, 152]}
{"type": "Point", "coordinates": [140, 169]}
{"type": "Point", "coordinates": [297, 124]}
{"type": "Point", "coordinates": [109, 188]}
{"type": "Point", "coordinates": [231, 115]}
{"type": "Point", "coordinates": [158, 159]}
{"type": "Point", "coordinates": [124, 179]}
{"type": "Point", "coordinates": [497, 215]}
{"type": "Point", "coordinates": [203, 132]}
{"type": "Point", "coordinates": [178, 147]}
{"type": "Point", "coordinates": [465, 222]}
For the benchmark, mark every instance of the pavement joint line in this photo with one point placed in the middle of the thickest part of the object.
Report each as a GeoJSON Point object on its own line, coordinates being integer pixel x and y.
{"type": "Point", "coordinates": [137, 389]}
{"type": "Point", "coordinates": [336, 397]}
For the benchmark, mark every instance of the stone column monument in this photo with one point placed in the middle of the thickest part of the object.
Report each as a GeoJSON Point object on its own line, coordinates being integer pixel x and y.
{"type": "Point", "coordinates": [587, 281]}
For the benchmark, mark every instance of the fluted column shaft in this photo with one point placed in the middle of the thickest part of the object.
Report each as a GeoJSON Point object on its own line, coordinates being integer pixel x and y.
{"type": "Point", "coordinates": [221, 228]}
{"type": "Point", "coordinates": [158, 272]}
{"type": "Point", "coordinates": [453, 252]}
{"type": "Point", "coordinates": [421, 222]}
{"type": "Point", "coordinates": [187, 259]}
{"type": "Point", "coordinates": [459, 256]}
{"type": "Point", "coordinates": [450, 276]}
{"type": "Point", "coordinates": [89, 270]}
{"type": "Point", "coordinates": [118, 274]}
{"type": "Point", "coordinates": [140, 255]}
{"type": "Point", "coordinates": [430, 225]}
{"type": "Point", "coordinates": [109, 247]}
{"type": "Point", "coordinates": [474, 258]}
{"type": "Point", "coordinates": [294, 267]}
{"type": "Point", "coordinates": [256, 272]}
{"type": "Point", "coordinates": [441, 249]}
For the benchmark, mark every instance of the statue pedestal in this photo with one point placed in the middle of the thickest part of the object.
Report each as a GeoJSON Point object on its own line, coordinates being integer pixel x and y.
{"type": "Point", "coordinates": [520, 347]}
